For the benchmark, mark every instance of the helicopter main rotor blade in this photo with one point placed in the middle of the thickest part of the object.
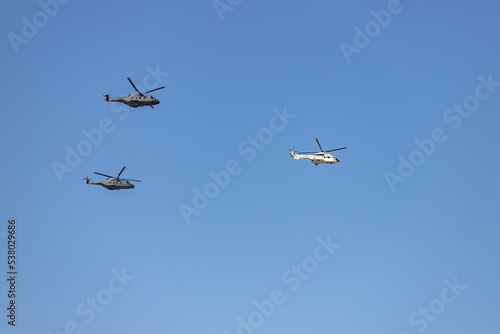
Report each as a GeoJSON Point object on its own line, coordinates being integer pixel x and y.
{"type": "Point", "coordinates": [131, 180]}
{"type": "Point", "coordinates": [149, 91]}
{"type": "Point", "coordinates": [103, 174]}
{"type": "Point", "coordinates": [121, 172]}
{"type": "Point", "coordinates": [337, 149]}
{"type": "Point", "coordinates": [308, 152]}
{"type": "Point", "coordinates": [319, 145]}
{"type": "Point", "coordinates": [133, 86]}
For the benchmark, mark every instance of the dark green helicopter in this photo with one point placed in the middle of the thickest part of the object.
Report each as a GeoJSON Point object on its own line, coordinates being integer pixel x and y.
{"type": "Point", "coordinates": [136, 100]}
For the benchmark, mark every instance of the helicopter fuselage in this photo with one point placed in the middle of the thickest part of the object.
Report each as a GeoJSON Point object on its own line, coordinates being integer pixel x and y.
{"type": "Point", "coordinates": [136, 100]}
{"type": "Point", "coordinates": [318, 158]}
{"type": "Point", "coordinates": [113, 184]}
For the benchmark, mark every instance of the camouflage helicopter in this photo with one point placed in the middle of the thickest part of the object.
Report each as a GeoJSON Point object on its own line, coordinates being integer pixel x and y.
{"type": "Point", "coordinates": [319, 157]}
{"type": "Point", "coordinates": [136, 100]}
{"type": "Point", "coordinates": [113, 183]}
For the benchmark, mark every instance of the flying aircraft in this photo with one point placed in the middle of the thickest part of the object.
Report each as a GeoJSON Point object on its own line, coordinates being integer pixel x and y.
{"type": "Point", "coordinates": [136, 100]}
{"type": "Point", "coordinates": [112, 183]}
{"type": "Point", "coordinates": [319, 157]}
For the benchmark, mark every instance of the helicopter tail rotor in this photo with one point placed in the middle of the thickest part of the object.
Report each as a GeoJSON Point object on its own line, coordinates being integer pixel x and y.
{"type": "Point", "coordinates": [106, 97]}
{"type": "Point", "coordinates": [86, 178]}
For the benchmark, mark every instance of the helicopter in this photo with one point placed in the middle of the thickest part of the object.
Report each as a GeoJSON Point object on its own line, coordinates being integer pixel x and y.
{"type": "Point", "coordinates": [318, 158]}
{"type": "Point", "coordinates": [136, 100]}
{"type": "Point", "coordinates": [113, 183]}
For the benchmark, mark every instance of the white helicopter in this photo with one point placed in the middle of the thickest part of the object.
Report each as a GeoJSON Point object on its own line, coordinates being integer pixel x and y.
{"type": "Point", "coordinates": [113, 183]}
{"type": "Point", "coordinates": [319, 157]}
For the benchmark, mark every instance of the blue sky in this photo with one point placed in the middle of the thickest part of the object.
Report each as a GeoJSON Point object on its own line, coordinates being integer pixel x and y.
{"type": "Point", "coordinates": [399, 237]}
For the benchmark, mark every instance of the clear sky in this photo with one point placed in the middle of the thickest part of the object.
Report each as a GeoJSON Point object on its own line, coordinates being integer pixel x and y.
{"type": "Point", "coordinates": [226, 233]}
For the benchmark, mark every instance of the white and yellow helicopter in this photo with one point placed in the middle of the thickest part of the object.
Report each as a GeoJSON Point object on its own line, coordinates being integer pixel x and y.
{"type": "Point", "coordinates": [319, 157]}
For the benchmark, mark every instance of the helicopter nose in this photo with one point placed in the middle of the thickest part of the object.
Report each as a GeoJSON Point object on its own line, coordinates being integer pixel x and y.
{"type": "Point", "coordinates": [132, 186]}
